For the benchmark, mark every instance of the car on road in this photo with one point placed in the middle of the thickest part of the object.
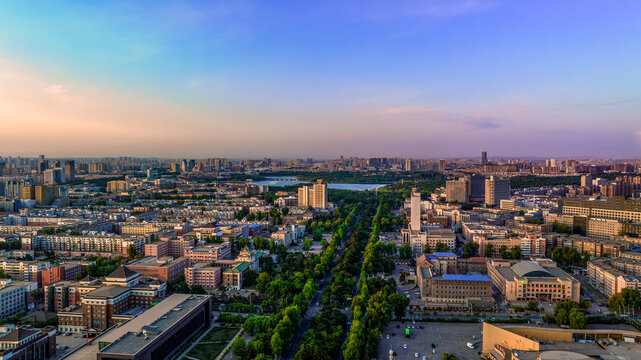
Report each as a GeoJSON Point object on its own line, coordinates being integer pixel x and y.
{"type": "Point", "coordinates": [404, 346]}
{"type": "Point", "coordinates": [433, 346]}
{"type": "Point", "coordinates": [415, 355]}
{"type": "Point", "coordinates": [387, 337]}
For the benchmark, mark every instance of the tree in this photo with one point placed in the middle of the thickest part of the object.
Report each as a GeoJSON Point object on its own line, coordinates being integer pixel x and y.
{"type": "Point", "coordinates": [504, 253]}
{"type": "Point", "coordinates": [37, 295]}
{"type": "Point", "coordinates": [426, 249]}
{"type": "Point", "coordinates": [285, 211]}
{"type": "Point", "coordinates": [399, 303]}
{"type": "Point", "coordinates": [239, 348]}
{"type": "Point", "coordinates": [447, 356]}
{"type": "Point", "coordinates": [470, 249]}
{"type": "Point", "coordinates": [405, 252]}
{"type": "Point", "coordinates": [532, 305]}
{"type": "Point", "coordinates": [489, 250]}
{"type": "Point", "coordinates": [625, 299]}
{"type": "Point", "coordinates": [441, 247]}
{"type": "Point", "coordinates": [307, 244]}
{"type": "Point", "coordinates": [576, 319]}
{"type": "Point", "coordinates": [78, 277]}
{"type": "Point", "coordinates": [515, 253]}
{"type": "Point", "coordinates": [3, 275]}
{"type": "Point", "coordinates": [131, 252]}
{"type": "Point", "coordinates": [585, 305]}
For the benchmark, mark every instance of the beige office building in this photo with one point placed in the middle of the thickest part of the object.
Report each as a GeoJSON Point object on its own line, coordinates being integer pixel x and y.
{"type": "Point", "coordinates": [496, 190]}
{"type": "Point", "coordinates": [533, 280]}
{"type": "Point", "coordinates": [457, 191]}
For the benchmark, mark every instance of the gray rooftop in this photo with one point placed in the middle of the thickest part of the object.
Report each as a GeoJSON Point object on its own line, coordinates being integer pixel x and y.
{"type": "Point", "coordinates": [106, 292]}
{"type": "Point", "coordinates": [152, 323]}
{"type": "Point", "coordinates": [123, 338]}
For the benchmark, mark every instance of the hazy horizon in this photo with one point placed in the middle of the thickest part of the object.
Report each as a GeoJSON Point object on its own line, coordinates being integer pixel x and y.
{"type": "Point", "coordinates": [298, 79]}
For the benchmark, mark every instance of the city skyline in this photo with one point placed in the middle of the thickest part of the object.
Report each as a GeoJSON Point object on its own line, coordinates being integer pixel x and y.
{"type": "Point", "coordinates": [243, 79]}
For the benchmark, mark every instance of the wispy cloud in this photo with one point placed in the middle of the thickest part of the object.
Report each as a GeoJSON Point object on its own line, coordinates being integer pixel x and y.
{"type": "Point", "coordinates": [477, 124]}
{"type": "Point", "coordinates": [618, 101]}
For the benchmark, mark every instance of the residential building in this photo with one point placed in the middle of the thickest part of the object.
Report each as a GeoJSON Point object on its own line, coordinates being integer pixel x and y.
{"type": "Point", "coordinates": [63, 272]}
{"type": "Point", "coordinates": [208, 253]}
{"type": "Point", "coordinates": [157, 249]}
{"type": "Point", "coordinates": [314, 196]}
{"type": "Point", "coordinates": [610, 280]}
{"type": "Point", "coordinates": [116, 300]}
{"type": "Point", "coordinates": [14, 296]}
{"type": "Point", "coordinates": [79, 245]}
{"type": "Point", "coordinates": [209, 277]}
{"type": "Point", "coordinates": [162, 268]}
{"type": "Point", "coordinates": [27, 343]}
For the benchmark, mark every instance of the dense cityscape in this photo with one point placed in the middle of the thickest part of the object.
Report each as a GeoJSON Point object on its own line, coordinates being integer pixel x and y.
{"type": "Point", "coordinates": [320, 180]}
{"type": "Point", "coordinates": [319, 259]}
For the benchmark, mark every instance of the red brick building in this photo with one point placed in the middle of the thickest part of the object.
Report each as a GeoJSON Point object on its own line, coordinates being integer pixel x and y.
{"type": "Point", "coordinates": [164, 269]}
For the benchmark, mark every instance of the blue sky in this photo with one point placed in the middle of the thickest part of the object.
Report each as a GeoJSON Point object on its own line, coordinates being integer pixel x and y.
{"type": "Point", "coordinates": [321, 78]}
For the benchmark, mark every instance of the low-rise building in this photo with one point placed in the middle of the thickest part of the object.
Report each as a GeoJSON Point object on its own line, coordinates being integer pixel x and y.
{"type": "Point", "coordinates": [164, 268]}
{"type": "Point", "coordinates": [27, 343]}
{"type": "Point", "coordinates": [533, 280]}
{"type": "Point", "coordinates": [209, 277]}
{"type": "Point", "coordinates": [610, 280]}
{"type": "Point", "coordinates": [14, 296]}
{"type": "Point", "coordinates": [208, 253]}
{"type": "Point", "coordinates": [158, 333]}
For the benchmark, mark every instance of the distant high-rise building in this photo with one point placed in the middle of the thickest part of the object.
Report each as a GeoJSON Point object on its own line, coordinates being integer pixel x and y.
{"type": "Point", "coordinates": [70, 170]}
{"type": "Point", "coordinates": [496, 190]}
{"type": "Point", "coordinates": [303, 196]}
{"type": "Point", "coordinates": [314, 196]}
{"type": "Point", "coordinates": [476, 184]}
{"type": "Point", "coordinates": [586, 180]}
{"type": "Point", "coordinates": [442, 164]}
{"type": "Point", "coordinates": [415, 210]}
{"type": "Point", "coordinates": [408, 165]}
{"type": "Point", "coordinates": [484, 158]}
{"type": "Point", "coordinates": [457, 191]}
{"type": "Point", "coordinates": [320, 195]}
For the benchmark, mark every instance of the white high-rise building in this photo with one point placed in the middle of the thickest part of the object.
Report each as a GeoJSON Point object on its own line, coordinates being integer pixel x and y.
{"type": "Point", "coordinates": [415, 213]}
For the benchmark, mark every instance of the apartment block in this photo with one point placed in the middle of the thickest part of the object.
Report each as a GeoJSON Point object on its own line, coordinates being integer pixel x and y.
{"type": "Point", "coordinates": [76, 245]}
{"type": "Point", "coordinates": [208, 253]}
{"type": "Point", "coordinates": [610, 280]}
{"type": "Point", "coordinates": [27, 343]}
{"type": "Point", "coordinates": [14, 296]}
{"type": "Point", "coordinates": [209, 277]}
{"type": "Point", "coordinates": [162, 268]}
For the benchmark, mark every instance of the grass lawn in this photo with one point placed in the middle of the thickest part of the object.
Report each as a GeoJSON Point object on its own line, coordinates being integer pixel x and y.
{"type": "Point", "coordinates": [207, 351]}
{"type": "Point", "coordinates": [214, 342]}
{"type": "Point", "coordinates": [220, 333]}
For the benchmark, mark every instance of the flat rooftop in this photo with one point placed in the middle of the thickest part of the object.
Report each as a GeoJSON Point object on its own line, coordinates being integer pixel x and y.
{"type": "Point", "coordinates": [123, 339]}
{"type": "Point", "coordinates": [162, 316]}
{"type": "Point", "coordinates": [152, 261]}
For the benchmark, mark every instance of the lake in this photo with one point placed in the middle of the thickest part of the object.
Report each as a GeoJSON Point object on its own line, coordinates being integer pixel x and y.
{"type": "Point", "coordinates": [287, 181]}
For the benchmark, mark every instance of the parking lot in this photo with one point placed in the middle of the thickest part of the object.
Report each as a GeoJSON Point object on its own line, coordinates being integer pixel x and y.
{"type": "Point", "coordinates": [449, 338]}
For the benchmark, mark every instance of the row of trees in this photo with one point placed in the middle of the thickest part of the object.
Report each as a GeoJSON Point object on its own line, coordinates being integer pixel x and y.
{"type": "Point", "coordinates": [566, 255]}
{"type": "Point", "coordinates": [372, 308]}
{"type": "Point", "coordinates": [290, 290]}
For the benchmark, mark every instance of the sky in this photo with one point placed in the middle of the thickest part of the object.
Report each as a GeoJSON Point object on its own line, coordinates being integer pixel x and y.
{"type": "Point", "coordinates": [298, 79]}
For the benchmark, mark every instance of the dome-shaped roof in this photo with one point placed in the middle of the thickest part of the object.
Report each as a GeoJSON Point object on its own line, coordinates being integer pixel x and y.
{"type": "Point", "coordinates": [530, 269]}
